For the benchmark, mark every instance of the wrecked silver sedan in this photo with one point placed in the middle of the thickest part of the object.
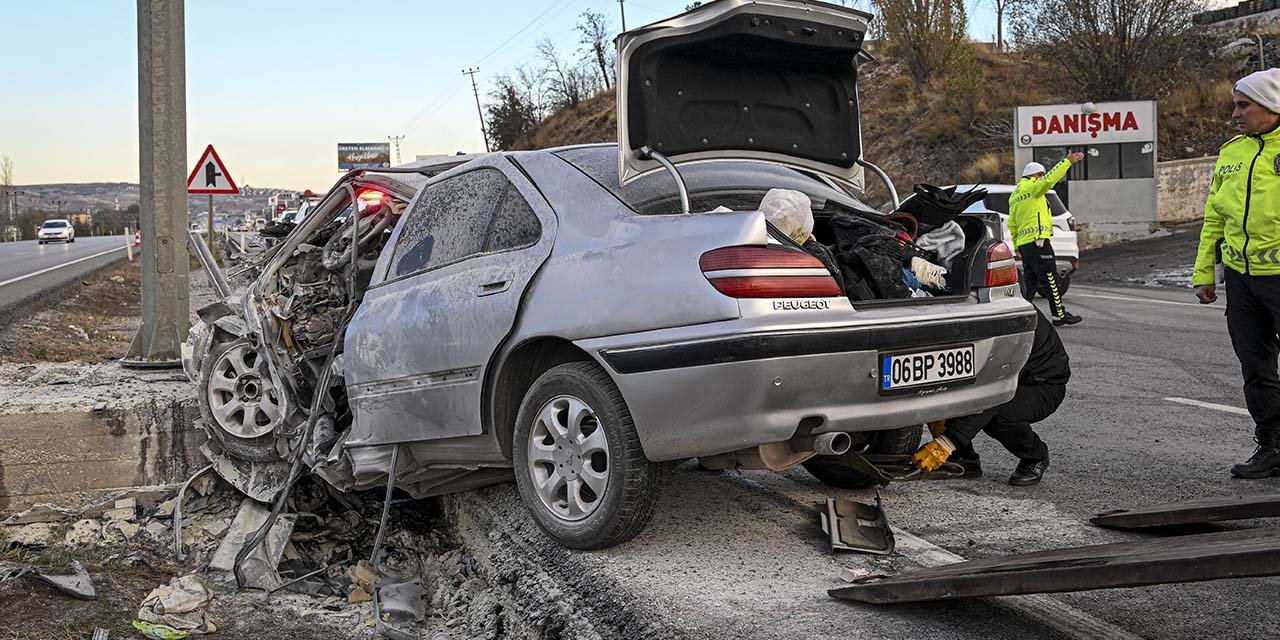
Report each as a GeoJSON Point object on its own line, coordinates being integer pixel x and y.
{"type": "Point", "coordinates": [578, 318]}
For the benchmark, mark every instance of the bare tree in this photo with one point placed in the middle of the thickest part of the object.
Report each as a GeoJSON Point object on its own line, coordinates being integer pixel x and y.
{"type": "Point", "coordinates": [510, 114]}
{"type": "Point", "coordinates": [6, 187]}
{"type": "Point", "coordinates": [1112, 49]}
{"type": "Point", "coordinates": [567, 83]}
{"type": "Point", "coordinates": [924, 34]}
{"type": "Point", "coordinates": [595, 30]}
{"type": "Point", "coordinates": [1003, 9]}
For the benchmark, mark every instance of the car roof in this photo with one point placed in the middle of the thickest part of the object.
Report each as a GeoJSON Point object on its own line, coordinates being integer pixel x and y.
{"type": "Point", "coordinates": [990, 187]}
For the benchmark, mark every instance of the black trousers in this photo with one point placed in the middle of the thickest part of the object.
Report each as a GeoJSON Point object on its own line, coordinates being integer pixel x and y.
{"type": "Point", "coordinates": [1253, 319]}
{"type": "Point", "coordinates": [1040, 274]}
{"type": "Point", "coordinates": [1010, 423]}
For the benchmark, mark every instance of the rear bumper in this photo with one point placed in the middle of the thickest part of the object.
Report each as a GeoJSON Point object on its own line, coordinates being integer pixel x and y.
{"type": "Point", "coordinates": [722, 393]}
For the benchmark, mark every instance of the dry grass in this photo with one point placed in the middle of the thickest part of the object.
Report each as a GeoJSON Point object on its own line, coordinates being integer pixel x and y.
{"type": "Point", "coordinates": [94, 321]}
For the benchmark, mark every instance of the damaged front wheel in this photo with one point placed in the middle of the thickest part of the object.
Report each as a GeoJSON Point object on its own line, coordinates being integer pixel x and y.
{"type": "Point", "coordinates": [579, 465]}
{"type": "Point", "coordinates": [240, 401]}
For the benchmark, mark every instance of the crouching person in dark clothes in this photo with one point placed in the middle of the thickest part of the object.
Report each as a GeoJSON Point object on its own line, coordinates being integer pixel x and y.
{"type": "Point", "coordinates": [1041, 388]}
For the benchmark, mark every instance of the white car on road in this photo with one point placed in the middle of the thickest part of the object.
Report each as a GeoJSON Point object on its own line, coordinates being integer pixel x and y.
{"type": "Point", "coordinates": [59, 230]}
{"type": "Point", "coordinates": [1065, 246]}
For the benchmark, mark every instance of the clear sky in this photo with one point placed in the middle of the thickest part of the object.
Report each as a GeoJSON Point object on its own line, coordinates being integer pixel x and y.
{"type": "Point", "coordinates": [275, 84]}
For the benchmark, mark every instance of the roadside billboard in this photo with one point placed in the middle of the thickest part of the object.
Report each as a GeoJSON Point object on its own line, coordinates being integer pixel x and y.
{"type": "Point", "coordinates": [363, 155]}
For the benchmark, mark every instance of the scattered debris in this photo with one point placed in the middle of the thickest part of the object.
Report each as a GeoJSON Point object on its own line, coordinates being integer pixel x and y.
{"type": "Point", "coordinates": [1193, 558]}
{"type": "Point", "coordinates": [40, 513]}
{"type": "Point", "coordinates": [31, 536]}
{"type": "Point", "coordinates": [159, 631]}
{"type": "Point", "coordinates": [84, 533]}
{"type": "Point", "coordinates": [1191, 512]}
{"type": "Point", "coordinates": [182, 605]}
{"type": "Point", "coordinates": [853, 526]}
{"type": "Point", "coordinates": [100, 634]}
{"type": "Point", "coordinates": [260, 566]}
{"type": "Point", "coordinates": [77, 585]}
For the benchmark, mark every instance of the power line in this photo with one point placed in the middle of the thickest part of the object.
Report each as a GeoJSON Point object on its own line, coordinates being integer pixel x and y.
{"type": "Point", "coordinates": [525, 28]}
{"type": "Point", "coordinates": [430, 109]}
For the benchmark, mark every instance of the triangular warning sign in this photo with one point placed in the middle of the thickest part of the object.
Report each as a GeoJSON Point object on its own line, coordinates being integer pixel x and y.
{"type": "Point", "coordinates": [211, 176]}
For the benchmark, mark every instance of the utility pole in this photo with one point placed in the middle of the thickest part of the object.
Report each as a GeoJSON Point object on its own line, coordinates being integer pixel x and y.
{"type": "Point", "coordinates": [162, 160]}
{"type": "Point", "coordinates": [622, 7]}
{"type": "Point", "coordinates": [396, 141]}
{"type": "Point", "coordinates": [472, 72]}
{"type": "Point", "coordinates": [58, 204]}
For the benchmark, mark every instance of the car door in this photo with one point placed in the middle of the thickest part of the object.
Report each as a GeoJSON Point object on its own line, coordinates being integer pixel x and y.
{"type": "Point", "coordinates": [418, 348]}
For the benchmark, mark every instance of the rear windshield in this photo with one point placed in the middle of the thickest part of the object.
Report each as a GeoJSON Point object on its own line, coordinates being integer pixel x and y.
{"type": "Point", "coordinates": [54, 224]}
{"type": "Point", "coordinates": [739, 186]}
{"type": "Point", "coordinates": [999, 202]}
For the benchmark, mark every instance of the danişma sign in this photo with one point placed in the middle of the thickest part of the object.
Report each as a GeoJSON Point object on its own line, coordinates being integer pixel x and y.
{"type": "Point", "coordinates": [364, 155]}
{"type": "Point", "coordinates": [1062, 125]}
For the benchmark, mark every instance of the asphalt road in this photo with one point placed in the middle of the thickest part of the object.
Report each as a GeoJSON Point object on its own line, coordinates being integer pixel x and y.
{"type": "Point", "coordinates": [741, 555]}
{"type": "Point", "coordinates": [28, 268]}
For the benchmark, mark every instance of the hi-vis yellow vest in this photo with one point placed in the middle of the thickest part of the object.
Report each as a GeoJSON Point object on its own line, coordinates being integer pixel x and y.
{"type": "Point", "coordinates": [1029, 217]}
{"type": "Point", "coordinates": [1243, 209]}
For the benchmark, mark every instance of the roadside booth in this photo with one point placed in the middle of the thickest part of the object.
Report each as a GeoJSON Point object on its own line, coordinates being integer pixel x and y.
{"type": "Point", "coordinates": [1112, 193]}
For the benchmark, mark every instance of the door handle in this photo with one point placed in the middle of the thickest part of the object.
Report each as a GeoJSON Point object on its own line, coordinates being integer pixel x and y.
{"type": "Point", "coordinates": [492, 288]}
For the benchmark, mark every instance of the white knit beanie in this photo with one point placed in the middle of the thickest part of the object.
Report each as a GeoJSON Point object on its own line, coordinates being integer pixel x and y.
{"type": "Point", "coordinates": [1263, 87]}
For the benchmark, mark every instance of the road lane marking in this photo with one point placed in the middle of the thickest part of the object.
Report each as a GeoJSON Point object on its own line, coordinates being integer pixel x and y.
{"type": "Point", "coordinates": [1209, 405]}
{"type": "Point", "coordinates": [55, 267]}
{"type": "Point", "coordinates": [1065, 618]}
{"type": "Point", "coordinates": [1150, 300]}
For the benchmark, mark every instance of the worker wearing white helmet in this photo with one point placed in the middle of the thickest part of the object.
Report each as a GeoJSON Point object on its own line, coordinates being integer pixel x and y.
{"type": "Point", "coordinates": [1031, 225]}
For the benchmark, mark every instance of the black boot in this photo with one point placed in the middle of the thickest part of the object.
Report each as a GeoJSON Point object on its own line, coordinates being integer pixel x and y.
{"type": "Point", "coordinates": [971, 463]}
{"type": "Point", "coordinates": [1067, 318]}
{"type": "Point", "coordinates": [1029, 472]}
{"type": "Point", "coordinates": [1264, 463]}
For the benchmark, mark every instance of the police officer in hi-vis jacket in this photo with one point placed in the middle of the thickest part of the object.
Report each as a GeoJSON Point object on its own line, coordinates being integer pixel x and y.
{"type": "Point", "coordinates": [1031, 225]}
{"type": "Point", "coordinates": [1242, 224]}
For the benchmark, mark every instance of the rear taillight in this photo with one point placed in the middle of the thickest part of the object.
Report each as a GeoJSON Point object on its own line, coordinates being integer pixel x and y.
{"type": "Point", "coordinates": [1071, 223]}
{"type": "Point", "coordinates": [1001, 269]}
{"type": "Point", "coordinates": [765, 272]}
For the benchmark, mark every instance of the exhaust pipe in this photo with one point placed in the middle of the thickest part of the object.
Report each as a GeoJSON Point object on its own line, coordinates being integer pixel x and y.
{"type": "Point", "coordinates": [836, 443]}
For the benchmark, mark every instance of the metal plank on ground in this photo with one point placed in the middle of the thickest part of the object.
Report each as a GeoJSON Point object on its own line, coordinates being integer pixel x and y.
{"type": "Point", "coordinates": [1194, 558]}
{"type": "Point", "coordinates": [1192, 512]}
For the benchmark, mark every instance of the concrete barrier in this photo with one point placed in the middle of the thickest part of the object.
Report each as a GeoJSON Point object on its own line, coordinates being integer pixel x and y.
{"type": "Point", "coordinates": [63, 442]}
{"type": "Point", "coordinates": [1183, 186]}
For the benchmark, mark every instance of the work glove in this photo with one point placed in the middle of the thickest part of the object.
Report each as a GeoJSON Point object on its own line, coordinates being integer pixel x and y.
{"type": "Point", "coordinates": [929, 274]}
{"type": "Point", "coordinates": [933, 454]}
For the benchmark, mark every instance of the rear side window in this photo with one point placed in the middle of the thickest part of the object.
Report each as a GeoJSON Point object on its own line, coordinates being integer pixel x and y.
{"type": "Point", "coordinates": [514, 223]}
{"type": "Point", "coordinates": [472, 213]}
{"type": "Point", "coordinates": [1055, 205]}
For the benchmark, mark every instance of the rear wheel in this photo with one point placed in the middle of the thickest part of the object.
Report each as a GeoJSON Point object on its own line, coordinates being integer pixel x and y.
{"type": "Point", "coordinates": [579, 466]}
{"type": "Point", "coordinates": [837, 471]}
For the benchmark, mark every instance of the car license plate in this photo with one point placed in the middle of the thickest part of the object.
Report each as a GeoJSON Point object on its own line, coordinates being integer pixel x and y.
{"type": "Point", "coordinates": [902, 371]}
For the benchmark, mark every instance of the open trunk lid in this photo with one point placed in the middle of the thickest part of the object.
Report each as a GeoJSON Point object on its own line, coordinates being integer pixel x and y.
{"type": "Point", "coordinates": [765, 80]}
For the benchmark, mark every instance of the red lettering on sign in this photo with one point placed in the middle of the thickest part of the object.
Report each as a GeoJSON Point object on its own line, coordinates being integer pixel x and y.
{"type": "Point", "coordinates": [1054, 126]}
{"type": "Point", "coordinates": [1037, 125]}
{"type": "Point", "coordinates": [1130, 122]}
{"type": "Point", "coordinates": [1110, 121]}
{"type": "Point", "coordinates": [1095, 124]}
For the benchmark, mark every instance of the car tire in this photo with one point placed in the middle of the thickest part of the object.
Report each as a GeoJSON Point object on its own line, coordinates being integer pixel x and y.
{"type": "Point", "coordinates": [837, 471]}
{"type": "Point", "coordinates": [546, 453]}
{"type": "Point", "coordinates": [71, 240]}
{"type": "Point", "coordinates": [258, 448]}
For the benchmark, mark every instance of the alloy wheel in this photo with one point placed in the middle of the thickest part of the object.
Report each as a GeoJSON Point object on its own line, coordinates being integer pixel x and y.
{"type": "Point", "coordinates": [242, 397]}
{"type": "Point", "coordinates": [569, 458]}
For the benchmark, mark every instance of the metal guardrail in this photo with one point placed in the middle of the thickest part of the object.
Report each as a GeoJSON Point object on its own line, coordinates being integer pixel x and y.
{"type": "Point", "coordinates": [1241, 10]}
